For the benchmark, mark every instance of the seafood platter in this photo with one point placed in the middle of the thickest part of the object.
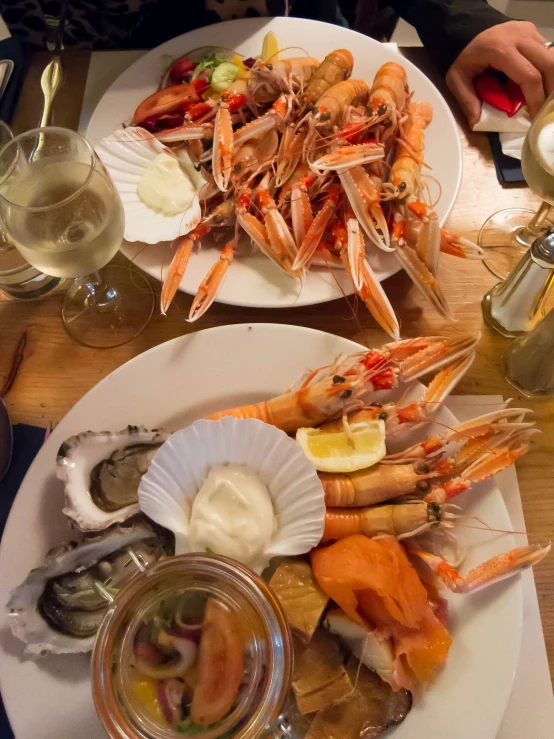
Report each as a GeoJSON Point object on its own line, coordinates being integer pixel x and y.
{"type": "Point", "coordinates": [269, 164]}
{"type": "Point", "coordinates": [347, 490]}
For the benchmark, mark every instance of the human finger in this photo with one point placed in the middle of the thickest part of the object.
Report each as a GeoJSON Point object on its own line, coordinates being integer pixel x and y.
{"type": "Point", "coordinates": [461, 86]}
{"type": "Point", "coordinates": [541, 58]}
{"type": "Point", "coordinates": [526, 75]}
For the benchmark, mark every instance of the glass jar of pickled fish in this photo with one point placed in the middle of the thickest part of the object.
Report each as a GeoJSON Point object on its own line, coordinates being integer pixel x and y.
{"type": "Point", "coordinates": [196, 645]}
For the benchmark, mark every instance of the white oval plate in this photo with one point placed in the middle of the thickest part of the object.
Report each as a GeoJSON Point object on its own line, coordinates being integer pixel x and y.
{"type": "Point", "coordinates": [171, 385]}
{"type": "Point", "coordinates": [254, 281]}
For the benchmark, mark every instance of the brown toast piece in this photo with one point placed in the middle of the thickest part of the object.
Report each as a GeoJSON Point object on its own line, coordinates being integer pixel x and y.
{"type": "Point", "coordinates": [301, 597]}
{"type": "Point", "coordinates": [319, 679]}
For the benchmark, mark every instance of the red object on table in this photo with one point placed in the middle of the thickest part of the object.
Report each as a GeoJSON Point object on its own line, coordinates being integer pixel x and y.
{"type": "Point", "coordinates": [497, 90]}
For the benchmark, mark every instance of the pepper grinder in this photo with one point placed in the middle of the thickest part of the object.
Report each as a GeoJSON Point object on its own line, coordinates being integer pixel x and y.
{"type": "Point", "coordinates": [529, 360]}
{"type": "Point", "coordinates": [513, 306]}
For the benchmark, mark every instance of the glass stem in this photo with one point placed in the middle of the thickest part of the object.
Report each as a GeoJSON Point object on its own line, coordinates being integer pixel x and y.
{"type": "Point", "coordinates": [537, 223]}
{"type": "Point", "coordinates": [102, 296]}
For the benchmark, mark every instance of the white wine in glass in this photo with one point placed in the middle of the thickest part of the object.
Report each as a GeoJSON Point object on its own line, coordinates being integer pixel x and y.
{"type": "Point", "coordinates": [63, 213]}
{"type": "Point", "coordinates": [537, 156]}
{"type": "Point", "coordinates": [507, 234]}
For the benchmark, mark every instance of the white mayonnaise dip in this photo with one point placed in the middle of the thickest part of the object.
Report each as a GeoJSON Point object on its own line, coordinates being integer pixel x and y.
{"type": "Point", "coordinates": [232, 514]}
{"type": "Point", "coordinates": [164, 186]}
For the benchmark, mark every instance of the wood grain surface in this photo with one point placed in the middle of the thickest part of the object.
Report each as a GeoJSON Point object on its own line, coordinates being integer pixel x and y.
{"type": "Point", "coordinates": [43, 372]}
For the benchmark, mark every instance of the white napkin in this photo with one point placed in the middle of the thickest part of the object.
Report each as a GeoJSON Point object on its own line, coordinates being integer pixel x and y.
{"type": "Point", "coordinates": [512, 130]}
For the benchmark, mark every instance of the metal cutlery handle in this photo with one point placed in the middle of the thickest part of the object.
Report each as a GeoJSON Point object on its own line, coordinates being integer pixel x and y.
{"type": "Point", "coordinates": [6, 69]}
{"type": "Point", "coordinates": [50, 82]}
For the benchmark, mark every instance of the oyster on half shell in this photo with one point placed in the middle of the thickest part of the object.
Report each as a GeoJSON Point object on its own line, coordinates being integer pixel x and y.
{"type": "Point", "coordinates": [101, 472]}
{"type": "Point", "coordinates": [60, 605]}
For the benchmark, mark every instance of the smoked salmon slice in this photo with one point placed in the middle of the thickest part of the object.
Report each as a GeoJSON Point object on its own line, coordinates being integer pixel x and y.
{"type": "Point", "coordinates": [373, 582]}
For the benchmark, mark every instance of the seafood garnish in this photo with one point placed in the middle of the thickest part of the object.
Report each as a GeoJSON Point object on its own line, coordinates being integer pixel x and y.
{"type": "Point", "coordinates": [101, 472]}
{"type": "Point", "coordinates": [60, 605]}
{"type": "Point", "coordinates": [316, 167]}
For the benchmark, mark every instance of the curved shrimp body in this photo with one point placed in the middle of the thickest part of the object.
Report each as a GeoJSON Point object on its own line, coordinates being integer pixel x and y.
{"type": "Point", "coordinates": [377, 484]}
{"type": "Point", "coordinates": [400, 520]}
{"type": "Point", "coordinates": [336, 67]}
{"type": "Point", "coordinates": [406, 167]}
{"type": "Point", "coordinates": [390, 88]}
{"type": "Point", "coordinates": [333, 104]}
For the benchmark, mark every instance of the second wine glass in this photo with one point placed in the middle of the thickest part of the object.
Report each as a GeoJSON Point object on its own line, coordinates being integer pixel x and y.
{"type": "Point", "coordinates": [507, 234]}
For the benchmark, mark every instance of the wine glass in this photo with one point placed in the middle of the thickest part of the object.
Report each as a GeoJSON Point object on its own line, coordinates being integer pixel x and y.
{"type": "Point", "coordinates": [510, 232]}
{"type": "Point", "coordinates": [64, 215]}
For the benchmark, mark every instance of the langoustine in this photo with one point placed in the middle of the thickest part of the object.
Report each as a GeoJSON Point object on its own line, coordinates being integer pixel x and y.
{"type": "Point", "coordinates": [330, 391]}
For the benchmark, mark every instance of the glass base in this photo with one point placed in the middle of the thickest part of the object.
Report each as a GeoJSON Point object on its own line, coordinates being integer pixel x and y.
{"type": "Point", "coordinates": [502, 235]}
{"type": "Point", "coordinates": [109, 308]}
{"type": "Point", "coordinates": [493, 323]}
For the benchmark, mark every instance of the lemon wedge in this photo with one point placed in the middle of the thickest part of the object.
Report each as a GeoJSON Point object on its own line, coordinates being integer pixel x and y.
{"type": "Point", "coordinates": [270, 47]}
{"type": "Point", "coordinates": [361, 446]}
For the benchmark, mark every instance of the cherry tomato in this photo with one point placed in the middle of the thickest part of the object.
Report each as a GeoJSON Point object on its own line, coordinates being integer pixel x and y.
{"type": "Point", "coordinates": [200, 85]}
{"type": "Point", "coordinates": [168, 100]}
{"type": "Point", "coordinates": [220, 665]}
{"type": "Point", "coordinates": [182, 68]}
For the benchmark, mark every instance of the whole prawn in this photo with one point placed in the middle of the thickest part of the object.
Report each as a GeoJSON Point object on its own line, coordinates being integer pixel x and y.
{"type": "Point", "coordinates": [336, 67]}
{"type": "Point", "coordinates": [348, 382]}
{"type": "Point", "coordinates": [335, 102]}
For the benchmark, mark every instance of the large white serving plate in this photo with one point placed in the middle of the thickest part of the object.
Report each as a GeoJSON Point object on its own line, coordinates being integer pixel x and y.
{"type": "Point", "coordinates": [172, 385]}
{"type": "Point", "coordinates": [253, 280]}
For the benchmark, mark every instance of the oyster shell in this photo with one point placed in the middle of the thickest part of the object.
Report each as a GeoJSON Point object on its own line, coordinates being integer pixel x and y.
{"type": "Point", "coordinates": [101, 472]}
{"type": "Point", "coordinates": [58, 609]}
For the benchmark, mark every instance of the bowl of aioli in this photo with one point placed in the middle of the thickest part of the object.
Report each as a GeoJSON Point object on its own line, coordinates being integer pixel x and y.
{"type": "Point", "coordinates": [236, 487]}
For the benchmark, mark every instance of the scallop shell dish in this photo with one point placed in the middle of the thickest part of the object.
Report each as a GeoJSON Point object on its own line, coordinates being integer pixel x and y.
{"type": "Point", "coordinates": [139, 165]}
{"type": "Point", "coordinates": [289, 520]}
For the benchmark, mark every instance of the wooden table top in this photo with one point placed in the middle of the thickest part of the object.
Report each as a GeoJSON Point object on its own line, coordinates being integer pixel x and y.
{"type": "Point", "coordinates": [43, 372]}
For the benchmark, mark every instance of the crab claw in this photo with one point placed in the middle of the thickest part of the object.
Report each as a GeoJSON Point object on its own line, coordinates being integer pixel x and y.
{"type": "Point", "coordinates": [223, 149]}
{"type": "Point", "coordinates": [458, 247]}
{"type": "Point", "coordinates": [482, 432]}
{"type": "Point", "coordinates": [427, 246]}
{"type": "Point", "coordinates": [317, 229]}
{"type": "Point", "coordinates": [363, 196]}
{"type": "Point", "coordinates": [500, 454]}
{"type": "Point", "coordinates": [344, 157]}
{"type": "Point", "coordinates": [424, 279]}
{"type": "Point", "coordinates": [494, 570]}
{"type": "Point", "coordinates": [430, 353]}
{"type": "Point", "coordinates": [367, 286]}
{"type": "Point", "coordinates": [210, 284]}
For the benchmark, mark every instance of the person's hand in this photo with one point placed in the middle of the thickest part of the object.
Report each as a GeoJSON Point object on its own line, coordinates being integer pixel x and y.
{"type": "Point", "coordinates": [515, 48]}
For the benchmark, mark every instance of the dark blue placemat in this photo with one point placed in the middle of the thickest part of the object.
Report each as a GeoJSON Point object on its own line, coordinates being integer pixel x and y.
{"type": "Point", "coordinates": [508, 169]}
{"type": "Point", "coordinates": [27, 440]}
{"type": "Point", "coordinates": [12, 48]}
